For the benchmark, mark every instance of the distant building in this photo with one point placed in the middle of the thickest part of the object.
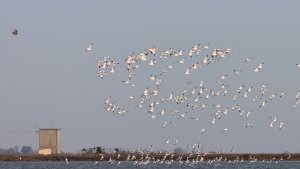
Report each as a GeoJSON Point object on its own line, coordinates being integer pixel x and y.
{"type": "Point", "coordinates": [49, 141]}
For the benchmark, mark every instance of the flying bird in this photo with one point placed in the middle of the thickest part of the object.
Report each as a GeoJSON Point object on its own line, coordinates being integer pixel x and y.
{"type": "Point", "coordinates": [89, 48]}
{"type": "Point", "coordinates": [15, 32]}
{"type": "Point", "coordinates": [248, 59]}
{"type": "Point", "coordinates": [202, 130]}
{"type": "Point", "coordinates": [259, 67]}
{"type": "Point", "coordinates": [226, 129]}
{"type": "Point", "coordinates": [281, 125]}
{"type": "Point", "coordinates": [157, 95]}
{"type": "Point", "coordinates": [153, 50]}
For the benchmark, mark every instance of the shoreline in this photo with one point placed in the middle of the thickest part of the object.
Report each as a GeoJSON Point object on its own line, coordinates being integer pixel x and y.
{"type": "Point", "coordinates": [155, 156]}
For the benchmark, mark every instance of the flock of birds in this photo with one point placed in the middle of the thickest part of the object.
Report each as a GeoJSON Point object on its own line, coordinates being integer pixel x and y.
{"type": "Point", "coordinates": [216, 98]}
{"type": "Point", "coordinates": [199, 97]}
{"type": "Point", "coordinates": [140, 157]}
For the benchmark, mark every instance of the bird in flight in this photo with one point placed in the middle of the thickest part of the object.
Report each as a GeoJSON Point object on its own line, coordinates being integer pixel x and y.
{"type": "Point", "coordinates": [248, 59]}
{"type": "Point", "coordinates": [15, 32]}
{"type": "Point", "coordinates": [89, 48]}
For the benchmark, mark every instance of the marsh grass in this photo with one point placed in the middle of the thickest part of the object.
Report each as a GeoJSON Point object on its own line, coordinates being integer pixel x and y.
{"type": "Point", "coordinates": [123, 156]}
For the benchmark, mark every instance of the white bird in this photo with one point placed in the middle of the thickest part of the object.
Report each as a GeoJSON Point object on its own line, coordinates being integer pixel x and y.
{"type": "Point", "coordinates": [206, 46]}
{"type": "Point", "coordinates": [145, 92]}
{"type": "Point", "coordinates": [248, 59]}
{"type": "Point", "coordinates": [248, 114]}
{"type": "Point", "coordinates": [130, 98]}
{"type": "Point", "coordinates": [263, 104]}
{"type": "Point", "coordinates": [170, 66]}
{"type": "Point", "coordinates": [228, 50]}
{"type": "Point", "coordinates": [249, 89]}
{"type": "Point", "coordinates": [153, 116]}
{"type": "Point", "coordinates": [275, 118]}
{"type": "Point", "coordinates": [179, 53]}
{"type": "Point", "coordinates": [153, 50]}
{"type": "Point", "coordinates": [271, 123]}
{"type": "Point", "coordinates": [182, 115]}
{"type": "Point", "coordinates": [143, 56]}
{"type": "Point", "coordinates": [112, 70]}
{"type": "Point", "coordinates": [196, 66]}
{"type": "Point", "coordinates": [195, 47]}
{"type": "Point", "coordinates": [152, 77]}
{"type": "Point", "coordinates": [152, 62]}
{"type": "Point", "coordinates": [96, 162]}
{"type": "Point", "coordinates": [187, 72]}
{"type": "Point", "coordinates": [298, 65]}
{"type": "Point", "coordinates": [67, 161]}
{"type": "Point", "coordinates": [213, 121]}
{"type": "Point", "coordinates": [195, 118]}
{"type": "Point", "coordinates": [89, 48]}
{"type": "Point", "coordinates": [281, 125]}
{"type": "Point", "coordinates": [226, 129]}
{"type": "Point", "coordinates": [181, 61]}
{"type": "Point", "coordinates": [246, 94]}
{"type": "Point", "coordinates": [256, 70]}
{"type": "Point", "coordinates": [202, 82]}
{"type": "Point", "coordinates": [259, 67]}
{"type": "Point", "coordinates": [155, 92]}
{"type": "Point", "coordinates": [166, 123]}
{"type": "Point", "coordinates": [171, 96]}
{"type": "Point", "coordinates": [225, 112]}
{"type": "Point", "coordinates": [203, 106]}
{"type": "Point", "coordinates": [206, 60]}
{"type": "Point", "coordinates": [157, 82]}
{"type": "Point", "coordinates": [191, 53]}
{"type": "Point", "coordinates": [223, 77]}
{"type": "Point", "coordinates": [202, 130]}
{"type": "Point", "coordinates": [249, 125]}
{"type": "Point", "coordinates": [167, 141]}
{"type": "Point", "coordinates": [162, 112]}
{"type": "Point", "coordinates": [238, 72]}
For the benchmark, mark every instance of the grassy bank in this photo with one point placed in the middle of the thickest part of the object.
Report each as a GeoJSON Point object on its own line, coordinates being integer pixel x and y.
{"type": "Point", "coordinates": [153, 156]}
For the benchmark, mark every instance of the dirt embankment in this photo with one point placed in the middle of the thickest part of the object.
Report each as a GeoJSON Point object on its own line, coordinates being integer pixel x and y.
{"type": "Point", "coordinates": [153, 156]}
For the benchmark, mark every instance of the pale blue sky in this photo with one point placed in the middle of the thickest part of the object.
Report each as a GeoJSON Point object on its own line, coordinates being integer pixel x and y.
{"type": "Point", "coordinates": [48, 80]}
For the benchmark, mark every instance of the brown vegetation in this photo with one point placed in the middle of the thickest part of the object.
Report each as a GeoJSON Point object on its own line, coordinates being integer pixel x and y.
{"type": "Point", "coordinates": [123, 156]}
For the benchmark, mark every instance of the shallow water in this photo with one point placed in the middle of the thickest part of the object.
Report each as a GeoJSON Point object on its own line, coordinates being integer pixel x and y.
{"type": "Point", "coordinates": [128, 164]}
